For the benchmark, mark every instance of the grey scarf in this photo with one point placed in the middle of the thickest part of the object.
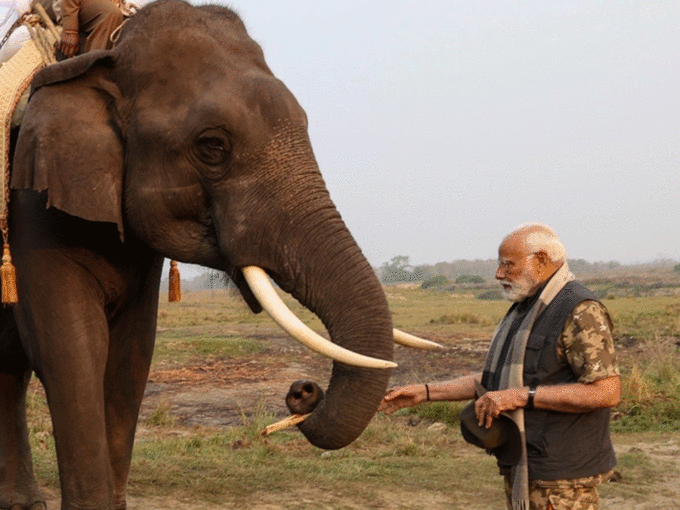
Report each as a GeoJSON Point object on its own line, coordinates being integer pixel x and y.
{"type": "Point", "coordinates": [512, 370]}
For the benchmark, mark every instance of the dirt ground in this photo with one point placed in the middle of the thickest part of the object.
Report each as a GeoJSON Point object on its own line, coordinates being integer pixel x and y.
{"type": "Point", "coordinates": [220, 393]}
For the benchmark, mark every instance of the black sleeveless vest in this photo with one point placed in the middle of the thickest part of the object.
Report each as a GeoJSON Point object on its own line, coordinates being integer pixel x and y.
{"type": "Point", "coordinates": [562, 445]}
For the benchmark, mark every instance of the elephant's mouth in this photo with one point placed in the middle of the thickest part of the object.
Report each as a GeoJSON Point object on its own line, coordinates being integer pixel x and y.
{"type": "Point", "coordinates": [266, 295]}
{"type": "Point", "coordinates": [258, 292]}
{"type": "Point", "coordinates": [248, 296]}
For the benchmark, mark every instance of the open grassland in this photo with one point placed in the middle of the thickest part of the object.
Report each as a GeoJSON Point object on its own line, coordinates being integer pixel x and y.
{"type": "Point", "coordinates": [647, 335]}
{"type": "Point", "coordinates": [211, 342]}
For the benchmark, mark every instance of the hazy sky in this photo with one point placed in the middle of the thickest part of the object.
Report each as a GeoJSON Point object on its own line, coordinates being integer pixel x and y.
{"type": "Point", "coordinates": [439, 126]}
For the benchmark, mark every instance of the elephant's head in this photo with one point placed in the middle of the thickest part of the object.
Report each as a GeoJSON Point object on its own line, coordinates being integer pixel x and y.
{"type": "Point", "coordinates": [183, 137]}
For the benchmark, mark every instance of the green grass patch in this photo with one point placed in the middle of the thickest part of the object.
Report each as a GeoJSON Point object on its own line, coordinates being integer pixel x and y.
{"type": "Point", "coordinates": [645, 318]}
{"type": "Point", "coordinates": [445, 312]}
{"type": "Point", "coordinates": [207, 308]}
{"type": "Point", "coordinates": [239, 467]}
{"type": "Point", "coordinates": [462, 318]}
{"type": "Point", "coordinates": [161, 416]}
{"type": "Point", "coordinates": [651, 391]}
{"type": "Point", "coordinates": [444, 412]}
{"type": "Point", "coordinates": [183, 345]}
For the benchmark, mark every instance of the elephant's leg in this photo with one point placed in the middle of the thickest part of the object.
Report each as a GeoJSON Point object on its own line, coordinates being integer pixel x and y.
{"type": "Point", "coordinates": [17, 483]}
{"type": "Point", "coordinates": [68, 350]}
{"type": "Point", "coordinates": [130, 351]}
{"type": "Point", "coordinates": [126, 376]}
{"type": "Point", "coordinates": [73, 377]}
{"type": "Point", "coordinates": [18, 488]}
{"type": "Point", "coordinates": [75, 394]}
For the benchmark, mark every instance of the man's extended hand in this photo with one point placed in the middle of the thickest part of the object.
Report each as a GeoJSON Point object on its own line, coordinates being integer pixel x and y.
{"type": "Point", "coordinates": [406, 396]}
{"type": "Point", "coordinates": [69, 43]}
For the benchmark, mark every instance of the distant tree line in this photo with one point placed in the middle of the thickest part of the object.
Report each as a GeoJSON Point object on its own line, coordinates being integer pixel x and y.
{"type": "Point", "coordinates": [442, 274]}
{"type": "Point", "coordinates": [400, 270]}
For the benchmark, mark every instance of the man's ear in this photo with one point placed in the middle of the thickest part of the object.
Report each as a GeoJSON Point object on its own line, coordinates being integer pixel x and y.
{"type": "Point", "coordinates": [543, 258]}
{"type": "Point", "coordinates": [70, 143]}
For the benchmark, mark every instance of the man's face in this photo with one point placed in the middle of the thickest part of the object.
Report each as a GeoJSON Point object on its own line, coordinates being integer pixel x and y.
{"type": "Point", "coordinates": [517, 271]}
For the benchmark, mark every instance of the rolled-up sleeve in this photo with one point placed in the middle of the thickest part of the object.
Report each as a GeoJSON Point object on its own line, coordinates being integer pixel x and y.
{"type": "Point", "coordinates": [69, 14]}
{"type": "Point", "coordinates": [587, 344]}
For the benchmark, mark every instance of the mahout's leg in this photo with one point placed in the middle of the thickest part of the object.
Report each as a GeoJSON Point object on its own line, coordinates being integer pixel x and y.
{"type": "Point", "coordinates": [133, 332]}
{"type": "Point", "coordinates": [18, 487]}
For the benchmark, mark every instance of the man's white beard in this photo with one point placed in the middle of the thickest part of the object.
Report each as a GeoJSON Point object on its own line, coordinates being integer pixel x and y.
{"type": "Point", "coordinates": [520, 289]}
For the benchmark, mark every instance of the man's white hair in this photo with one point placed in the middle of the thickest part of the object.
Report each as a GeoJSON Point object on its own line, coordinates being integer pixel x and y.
{"type": "Point", "coordinates": [540, 237]}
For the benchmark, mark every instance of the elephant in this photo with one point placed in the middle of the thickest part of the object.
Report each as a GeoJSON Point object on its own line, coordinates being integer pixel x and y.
{"type": "Point", "coordinates": [178, 143]}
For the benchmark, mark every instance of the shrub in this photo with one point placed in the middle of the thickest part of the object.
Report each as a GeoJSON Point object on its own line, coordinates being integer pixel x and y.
{"type": "Point", "coordinates": [436, 282]}
{"type": "Point", "coordinates": [469, 278]}
{"type": "Point", "coordinates": [462, 318]}
{"type": "Point", "coordinates": [491, 295]}
{"type": "Point", "coordinates": [162, 415]}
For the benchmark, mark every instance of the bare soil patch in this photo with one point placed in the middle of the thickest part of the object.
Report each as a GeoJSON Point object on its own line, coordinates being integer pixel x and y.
{"type": "Point", "coordinates": [218, 393]}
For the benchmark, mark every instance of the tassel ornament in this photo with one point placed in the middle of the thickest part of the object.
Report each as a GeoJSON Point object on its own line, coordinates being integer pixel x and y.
{"type": "Point", "coordinates": [8, 275]}
{"type": "Point", "coordinates": [174, 284]}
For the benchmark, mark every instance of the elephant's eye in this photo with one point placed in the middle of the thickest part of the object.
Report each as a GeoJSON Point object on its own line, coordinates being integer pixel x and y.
{"type": "Point", "coordinates": [212, 150]}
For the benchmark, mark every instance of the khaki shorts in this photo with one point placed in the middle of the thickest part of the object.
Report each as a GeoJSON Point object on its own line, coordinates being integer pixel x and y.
{"type": "Point", "coordinates": [577, 494]}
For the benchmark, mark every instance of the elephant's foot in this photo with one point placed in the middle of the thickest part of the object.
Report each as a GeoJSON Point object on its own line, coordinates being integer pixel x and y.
{"type": "Point", "coordinates": [121, 504]}
{"type": "Point", "coordinates": [38, 505]}
{"type": "Point", "coordinates": [24, 497]}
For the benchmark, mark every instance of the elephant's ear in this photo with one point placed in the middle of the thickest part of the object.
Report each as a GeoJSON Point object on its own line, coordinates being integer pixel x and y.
{"type": "Point", "coordinates": [73, 68]}
{"type": "Point", "coordinates": [70, 142]}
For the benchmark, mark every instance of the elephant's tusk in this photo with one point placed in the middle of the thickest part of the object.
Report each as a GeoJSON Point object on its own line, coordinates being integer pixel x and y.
{"type": "Point", "coordinates": [409, 340]}
{"type": "Point", "coordinates": [260, 285]}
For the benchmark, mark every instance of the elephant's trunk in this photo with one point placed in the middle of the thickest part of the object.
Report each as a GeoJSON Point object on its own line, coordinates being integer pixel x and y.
{"type": "Point", "coordinates": [342, 289]}
{"type": "Point", "coordinates": [332, 278]}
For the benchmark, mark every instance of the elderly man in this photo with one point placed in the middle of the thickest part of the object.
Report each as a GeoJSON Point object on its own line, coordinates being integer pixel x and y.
{"type": "Point", "coordinates": [551, 368]}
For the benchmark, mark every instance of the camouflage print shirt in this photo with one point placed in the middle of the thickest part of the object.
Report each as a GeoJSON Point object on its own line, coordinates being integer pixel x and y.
{"type": "Point", "coordinates": [586, 343]}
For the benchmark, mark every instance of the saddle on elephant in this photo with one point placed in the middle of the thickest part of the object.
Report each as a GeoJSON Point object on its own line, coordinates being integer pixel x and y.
{"type": "Point", "coordinates": [15, 78]}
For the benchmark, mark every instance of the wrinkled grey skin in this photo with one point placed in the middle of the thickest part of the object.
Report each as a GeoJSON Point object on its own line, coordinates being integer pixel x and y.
{"type": "Point", "coordinates": [177, 143]}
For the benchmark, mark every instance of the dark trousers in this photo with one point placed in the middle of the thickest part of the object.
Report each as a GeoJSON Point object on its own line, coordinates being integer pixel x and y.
{"type": "Point", "coordinates": [99, 19]}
